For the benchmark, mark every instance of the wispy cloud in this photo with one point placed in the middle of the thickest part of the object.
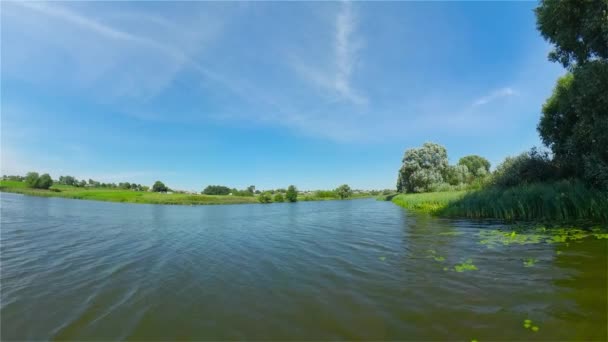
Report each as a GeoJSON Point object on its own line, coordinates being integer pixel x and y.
{"type": "Point", "coordinates": [495, 95]}
{"type": "Point", "coordinates": [337, 74]}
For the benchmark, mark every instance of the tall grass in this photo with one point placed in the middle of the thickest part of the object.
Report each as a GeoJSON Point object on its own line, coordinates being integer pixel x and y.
{"type": "Point", "coordinates": [560, 201]}
{"type": "Point", "coordinates": [566, 200]}
{"type": "Point", "coordinates": [431, 202]}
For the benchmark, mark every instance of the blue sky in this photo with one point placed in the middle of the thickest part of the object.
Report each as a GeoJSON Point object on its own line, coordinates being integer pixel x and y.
{"type": "Point", "coordinates": [268, 93]}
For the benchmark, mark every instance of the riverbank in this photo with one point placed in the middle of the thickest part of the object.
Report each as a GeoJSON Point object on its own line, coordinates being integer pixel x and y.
{"type": "Point", "coordinates": [130, 196]}
{"type": "Point", "coordinates": [562, 202]}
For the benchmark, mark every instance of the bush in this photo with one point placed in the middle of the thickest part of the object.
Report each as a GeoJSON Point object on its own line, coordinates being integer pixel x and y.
{"type": "Point", "coordinates": [292, 194]}
{"type": "Point", "coordinates": [216, 190]}
{"type": "Point", "coordinates": [528, 167]}
{"type": "Point", "coordinates": [343, 191]}
{"type": "Point", "coordinates": [279, 197]}
{"type": "Point", "coordinates": [33, 180]}
{"type": "Point", "coordinates": [265, 197]}
{"type": "Point", "coordinates": [159, 187]}
{"type": "Point", "coordinates": [325, 194]}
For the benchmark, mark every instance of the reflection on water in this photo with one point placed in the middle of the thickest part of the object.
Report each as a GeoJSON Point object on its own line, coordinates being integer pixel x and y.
{"type": "Point", "coordinates": [358, 269]}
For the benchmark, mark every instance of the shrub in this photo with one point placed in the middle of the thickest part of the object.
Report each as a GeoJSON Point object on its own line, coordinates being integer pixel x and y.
{"type": "Point", "coordinates": [343, 191]}
{"type": "Point", "coordinates": [31, 179]}
{"type": "Point", "coordinates": [159, 187]}
{"type": "Point", "coordinates": [44, 182]}
{"type": "Point", "coordinates": [279, 197]}
{"type": "Point", "coordinates": [265, 197]}
{"type": "Point", "coordinates": [216, 190]}
{"type": "Point", "coordinates": [528, 167]}
{"type": "Point", "coordinates": [292, 194]}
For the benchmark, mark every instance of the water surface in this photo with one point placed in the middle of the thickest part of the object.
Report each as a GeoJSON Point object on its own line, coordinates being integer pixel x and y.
{"type": "Point", "coordinates": [361, 269]}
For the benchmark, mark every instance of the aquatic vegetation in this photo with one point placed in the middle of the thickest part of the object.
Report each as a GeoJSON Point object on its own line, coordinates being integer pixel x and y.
{"type": "Point", "coordinates": [529, 262]}
{"type": "Point", "coordinates": [528, 325]}
{"type": "Point", "coordinates": [494, 238]}
{"type": "Point", "coordinates": [465, 266]}
{"type": "Point", "coordinates": [439, 258]}
{"type": "Point", "coordinates": [451, 233]}
{"type": "Point", "coordinates": [382, 258]}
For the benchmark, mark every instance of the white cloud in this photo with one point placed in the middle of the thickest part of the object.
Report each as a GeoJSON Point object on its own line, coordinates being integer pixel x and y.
{"type": "Point", "coordinates": [498, 94]}
{"type": "Point", "coordinates": [336, 75]}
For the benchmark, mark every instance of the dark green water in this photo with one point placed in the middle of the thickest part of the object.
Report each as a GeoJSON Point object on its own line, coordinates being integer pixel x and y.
{"type": "Point", "coordinates": [362, 269]}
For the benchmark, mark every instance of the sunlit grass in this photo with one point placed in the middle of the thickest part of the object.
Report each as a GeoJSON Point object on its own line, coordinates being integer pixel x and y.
{"type": "Point", "coordinates": [563, 201]}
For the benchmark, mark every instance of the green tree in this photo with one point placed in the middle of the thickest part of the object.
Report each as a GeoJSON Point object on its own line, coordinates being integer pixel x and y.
{"type": "Point", "coordinates": [577, 28]}
{"type": "Point", "coordinates": [343, 191]}
{"type": "Point", "coordinates": [31, 179]}
{"type": "Point", "coordinates": [458, 174]}
{"type": "Point", "coordinates": [216, 190]}
{"type": "Point", "coordinates": [44, 182]}
{"type": "Point", "coordinates": [474, 164]}
{"type": "Point", "coordinates": [82, 183]}
{"type": "Point", "coordinates": [159, 187]}
{"type": "Point", "coordinates": [422, 167]}
{"type": "Point", "coordinates": [292, 194]}
{"type": "Point", "coordinates": [265, 197]}
{"type": "Point", "coordinates": [278, 197]}
{"type": "Point", "coordinates": [574, 119]}
{"type": "Point", "coordinates": [251, 189]}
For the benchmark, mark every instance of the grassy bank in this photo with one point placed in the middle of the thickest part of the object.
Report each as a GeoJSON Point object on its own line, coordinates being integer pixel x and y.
{"type": "Point", "coordinates": [563, 201]}
{"type": "Point", "coordinates": [128, 196]}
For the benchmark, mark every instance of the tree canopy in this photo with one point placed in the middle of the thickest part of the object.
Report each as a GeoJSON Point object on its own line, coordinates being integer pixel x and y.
{"type": "Point", "coordinates": [577, 28]}
{"type": "Point", "coordinates": [217, 190]}
{"type": "Point", "coordinates": [422, 167]}
{"type": "Point", "coordinates": [343, 191]}
{"type": "Point", "coordinates": [475, 164]}
{"type": "Point", "coordinates": [33, 180]}
{"type": "Point", "coordinates": [574, 119]}
{"type": "Point", "coordinates": [292, 194]}
{"type": "Point", "coordinates": [159, 187]}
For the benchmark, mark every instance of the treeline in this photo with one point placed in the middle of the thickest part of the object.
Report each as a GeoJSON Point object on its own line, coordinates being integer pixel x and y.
{"type": "Point", "coordinates": [44, 181]}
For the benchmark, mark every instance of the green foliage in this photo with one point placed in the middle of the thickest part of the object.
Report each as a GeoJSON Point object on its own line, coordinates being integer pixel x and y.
{"type": "Point", "coordinates": [31, 179]}
{"type": "Point", "coordinates": [529, 167]}
{"type": "Point", "coordinates": [458, 174]}
{"type": "Point", "coordinates": [577, 28]}
{"type": "Point", "coordinates": [44, 182]}
{"type": "Point", "coordinates": [292, 194]}
{"type": "Point", "coordinates": [562, 201]}
{"type": "Point", "coordinates": [67, 180]}
{"type": "Point", "coordinates": [478, 166]}
{"type": "Point", "coordinates": [575, 118]}
{"type": "Point", "coordinates": [430, 202]}
{"type": "Point", "coordinates": [325, 194]}
{"type": "Point", "coordinates": [159, 187]}
{"type": "Point", "coordinates": [217, 190]}
{"type": "Point", "coordinates": [422, 167]}
{"type": "Point", "coordinates": [278, 197]}
{"type": "Point", "coordinates": [343, 191]}
{"type": "Point", "coordinates": [575, 121]}
{"type": "Point", "coordinates": [265, 197]}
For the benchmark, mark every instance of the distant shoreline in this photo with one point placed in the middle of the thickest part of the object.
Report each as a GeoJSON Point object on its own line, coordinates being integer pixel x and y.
{"type": "Point", "coordinates": [142, 197]}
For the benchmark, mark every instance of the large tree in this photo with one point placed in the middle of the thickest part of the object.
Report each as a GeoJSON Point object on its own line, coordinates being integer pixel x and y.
{"type": "Point", "coordinates": [422, 167]}
{"type": "Point", "coordinates": [343, 191]}
{"type": "Point", "coordinates": [292, 194]}
{"type": "Point", "coordinates": [478, 166]}
{"type": "Point", "coordinates": [574, 122]}
{"type": "Point", "coordinates": [159, 187]}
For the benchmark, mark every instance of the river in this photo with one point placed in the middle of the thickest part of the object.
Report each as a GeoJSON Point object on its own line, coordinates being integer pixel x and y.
{"type": "Point", "coordinates": [359, 269]}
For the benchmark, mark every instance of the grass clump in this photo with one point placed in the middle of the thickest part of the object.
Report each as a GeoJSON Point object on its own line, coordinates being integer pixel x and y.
{"type": "Point", "coordinates": [430, 202]}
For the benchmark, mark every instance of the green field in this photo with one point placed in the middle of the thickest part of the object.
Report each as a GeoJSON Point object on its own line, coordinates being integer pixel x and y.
{"type": "Point", "coordinates": [130, 196]}
{"type": "Point", "coordinates": [119, 195]}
